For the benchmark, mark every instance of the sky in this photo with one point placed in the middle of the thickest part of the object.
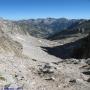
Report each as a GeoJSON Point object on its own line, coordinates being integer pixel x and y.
{"type": "Point", "coordinates": [27, 9]}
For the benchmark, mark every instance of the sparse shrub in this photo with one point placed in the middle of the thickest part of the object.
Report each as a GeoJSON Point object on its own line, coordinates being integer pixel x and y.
{"type": "Point", "coordinates": [2, 78]}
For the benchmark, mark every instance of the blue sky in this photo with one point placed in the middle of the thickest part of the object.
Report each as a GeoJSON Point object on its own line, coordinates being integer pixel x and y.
{"type": "Point", "coordinates": [26, 9]}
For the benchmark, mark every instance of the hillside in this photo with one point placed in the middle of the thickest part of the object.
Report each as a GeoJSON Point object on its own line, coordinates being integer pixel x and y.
{"type": "Point", "coordinates": [7, 44]}
{"type": "Point", "coordinates": [31, 63]}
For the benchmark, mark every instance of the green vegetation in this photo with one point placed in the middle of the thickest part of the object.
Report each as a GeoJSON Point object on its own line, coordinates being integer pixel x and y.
{"type": "Point", "coordinates": [2, 78]}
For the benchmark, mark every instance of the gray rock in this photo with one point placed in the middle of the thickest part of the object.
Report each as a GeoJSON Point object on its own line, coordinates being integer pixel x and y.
{"type": "Point", "coordinates": [88, 61]}
{"type": "Point", "coordinates": [47, 69]}
{"type": "Point", "coordinates": [88, 80]}
{"type": "Point", "coordinates": [72, 81]}
{"type": "Point", "coordinates": [87, 72]}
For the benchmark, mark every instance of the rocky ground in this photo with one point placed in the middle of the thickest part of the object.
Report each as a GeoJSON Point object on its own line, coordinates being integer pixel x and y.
{"type": "Point", "coordinates": [29, 67]}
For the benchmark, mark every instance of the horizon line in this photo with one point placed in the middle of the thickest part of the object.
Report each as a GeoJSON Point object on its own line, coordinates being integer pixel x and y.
{"type": "Point", "coordinates": [14, 19]}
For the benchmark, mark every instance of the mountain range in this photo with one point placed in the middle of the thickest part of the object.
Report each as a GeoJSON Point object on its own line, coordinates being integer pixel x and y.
{"type": "Point", "coordinates": [46, 28]}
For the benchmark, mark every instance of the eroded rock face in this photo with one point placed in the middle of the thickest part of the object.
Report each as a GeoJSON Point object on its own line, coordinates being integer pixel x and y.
{"type": "Point", "coordinates": [8, 45]}
{"type": "Point", "coordinates": [9, 27]}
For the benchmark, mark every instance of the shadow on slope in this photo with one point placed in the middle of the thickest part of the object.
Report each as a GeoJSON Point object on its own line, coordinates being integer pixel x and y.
{"type": "Point", "coordinates": [84, 50]}
{"type": "Point", "coordinates": [66, 51]}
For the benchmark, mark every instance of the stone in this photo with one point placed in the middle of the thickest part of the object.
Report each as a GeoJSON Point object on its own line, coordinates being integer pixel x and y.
{"type": "Point", "coordinates": [88, 80]}
{"type": "Point", "coordinates": [50, 78]}
{"type": "Point", "coordinates": [47, 69]}
{"type": "Point", "coordinates": [88, 61]}
{"type": "Point", "coordinates": [72, 81]}
{"type": "Point", "coordinates": [87, 72]}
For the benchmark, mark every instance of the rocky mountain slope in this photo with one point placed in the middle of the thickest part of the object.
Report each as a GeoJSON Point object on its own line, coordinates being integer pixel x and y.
{"type": "Point", "coordinates": [25, 65]}
{"type": "Point", "coordinates": [82, 26]}
{"type": "Point", "coordinates": [8, 45]}
{"type": "Point", "coordinates": [44, 28]}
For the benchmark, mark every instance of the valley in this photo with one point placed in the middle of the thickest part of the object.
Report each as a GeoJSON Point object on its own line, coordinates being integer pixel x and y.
{"type": "Point", "coordinates": [45, 54]}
